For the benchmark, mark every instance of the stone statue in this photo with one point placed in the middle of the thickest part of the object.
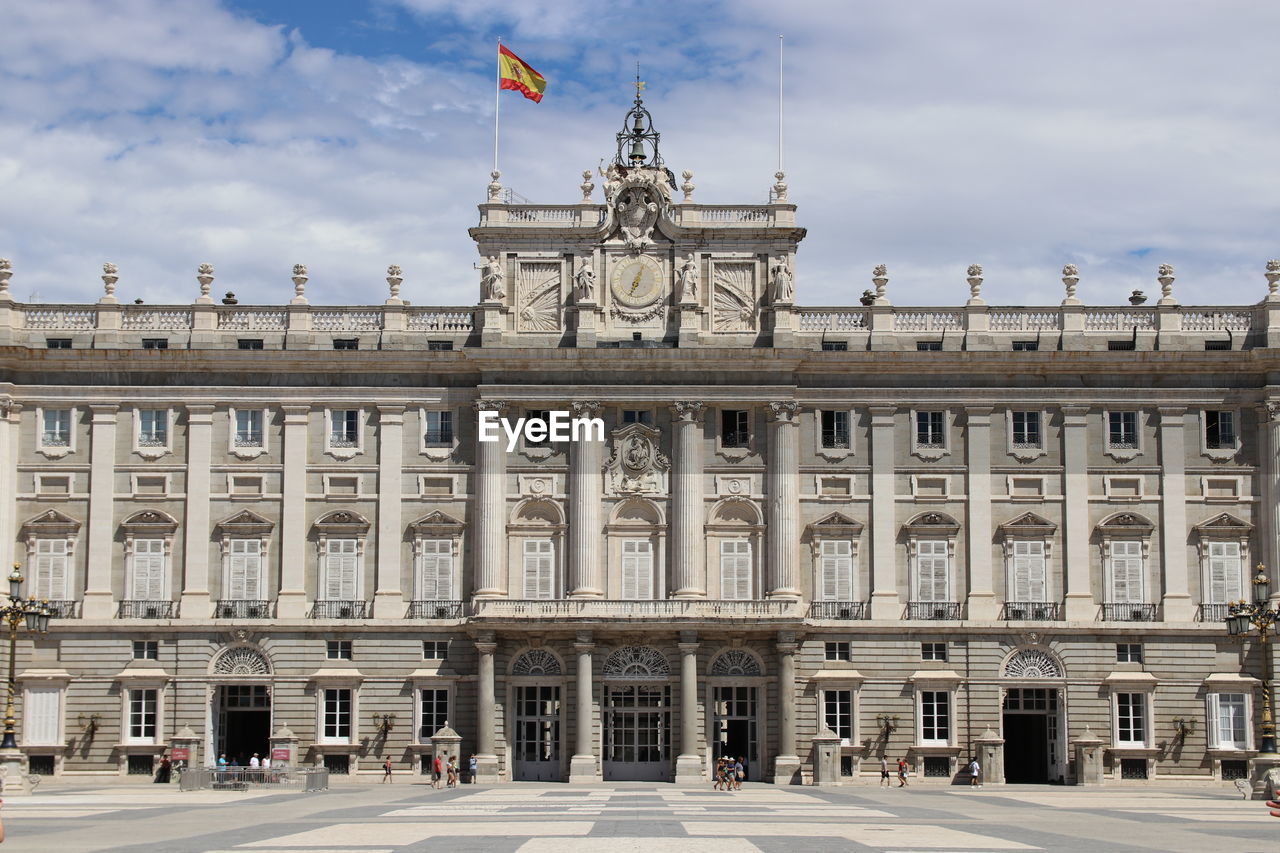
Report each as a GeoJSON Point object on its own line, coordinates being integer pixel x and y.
{"type": "Point", "coordinates": [584, 284]}
{"type": "Point", "coordinates": [491, 286]}
{"type": "Point", "coordinates": [689, 280]}
{"type": "Point", "coordinates": [784, 291]}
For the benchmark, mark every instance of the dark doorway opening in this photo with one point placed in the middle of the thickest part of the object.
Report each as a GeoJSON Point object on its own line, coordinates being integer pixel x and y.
{"type": "Point", "coordinates": [244, 722]}
{"type": "Point", "coordinates": [1026, 749]}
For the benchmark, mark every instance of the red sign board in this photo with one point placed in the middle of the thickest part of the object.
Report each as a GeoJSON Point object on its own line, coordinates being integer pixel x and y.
{"type": "Point", "coordinates": [279, 754]}
{"type": "Point", "coordinates": [180, 753]}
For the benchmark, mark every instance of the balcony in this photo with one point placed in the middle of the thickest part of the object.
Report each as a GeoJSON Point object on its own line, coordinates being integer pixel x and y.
{"type": "Point", "coordinates": [935, 610]}
{"type": "Point", "coordinates": [839, 610]}
{"type": "Point", "coordinates": [63, 609]}
{"type": "Point", "coordinates": [1031, 611]}
{"type": "Point", "coordinates": [442, 609]}
{"type": "Point", "coordinates": [1214, 612]}
{"type": "Point", "coordinates": [136, 609]}
{"type": "Point", "coordinates": [242, 608]}
{"type": "Point", "coordinates": [617, 610]}
{"type": "Point", "coordinates": [339, 609]}
{"type": "Point", "coordinates": [1127, 612]}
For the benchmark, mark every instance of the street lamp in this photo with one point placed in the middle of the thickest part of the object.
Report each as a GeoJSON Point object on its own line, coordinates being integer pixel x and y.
{"type": "Point", "coordinates": [1242, 617]}
{"type": "Point", "coordinates": [19, 611]}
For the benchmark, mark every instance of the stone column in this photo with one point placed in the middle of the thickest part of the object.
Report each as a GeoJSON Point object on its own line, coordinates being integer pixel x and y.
{"type": "Point", "coordinates": [688, 512]}
{"type": "Point", "coordinates": [585, 477]}
{"type": "Point", "coordinates": [1176, 603]}
{"type": "Point", "coordinates": [490, 486]}
{"type": "Point", "coordinates": [486, 736]}
{"type": "Point", "coordinates": [689, 761]}
{"type": "Point", "coordinates": [195, 576]}
{"type": "Point", "coordinates": [582, 766]}
{"type": "Point", "coordinates": [98, 599]}
{"type": "Point", "coordinates": [291, 601]}
{"type": "Point", "coordinates": [784, 500]}
{"type": "Point", "coordinates": [388, 599]}
{"type": "Point", "coordinates": [1080, 603]}
{"type": "Point", "coordinates": [786, 764]}
{"type": "Point", "coordinates": [982, 600]}
{"type": "Point", "coordinates": [885, 603]}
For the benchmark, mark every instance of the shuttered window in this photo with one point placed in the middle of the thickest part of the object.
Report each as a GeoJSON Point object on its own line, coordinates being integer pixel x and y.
{"type": "Point", "coordinates": [41, 716]}
{"type": "Point", "coordinates": [1028, 571]}
{"type": "Point", "coordinates": [435, 570]}
{"type": "Point", "coordinates": [51, 570]}
{"type": "Point", "coordinates": [735, 569]}
{"type": "Point", "coordinates": [637, 569]}
{"type": "Point", "coordinates": [932, 570]}
{"type": "Point", "coordinates": [835, 569]}
{"type": "Point", "coordinates": [1225, 573]}
{"type": "Point", "coordinates": [1126, 572]}
{"type": "Point", "coordinates": [340, 570]}
{"type": "Point", "coordinates": [539, 568]}
{"type": "Point", "coordinates": [244, 570]}
{"type": "Point", "coordinates": [148, 570]}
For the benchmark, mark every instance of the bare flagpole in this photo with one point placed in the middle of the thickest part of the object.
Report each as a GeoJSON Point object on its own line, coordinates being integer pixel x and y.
{"type": "Point", "coordinates": [779, 103]}
{"type": "Point", "coordinates": [497, 103]}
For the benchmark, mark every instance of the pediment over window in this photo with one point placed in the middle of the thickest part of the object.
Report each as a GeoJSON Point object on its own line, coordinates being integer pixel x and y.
{"type": "Point", "coordinates": [1126, 524]}
{"type": "Point", "coordinates": [835, 526]}
{"type": "Point", "coordinates": [342, 523]}
{"type": "Point", "coordinates": [149, 522]}
{"type": "Point", "coordinates": [736, 512]}
{"type": "Point", "coordinates": [636, 512]}
{"type": "Point", "coordinates": [436, 524]}
{"type": "Point", "coordinates": [932, 524]}
{"type": "Point", "coordinates": [537, 512]}
{"type": "Point", "coordinates": [244, 524]}
{"type": "Point", "coordinates": [1224, 526]}
{"type": "Point", "coordinates": [50, 524]}
{"type": "Point", "coordinates": [1028, 526]}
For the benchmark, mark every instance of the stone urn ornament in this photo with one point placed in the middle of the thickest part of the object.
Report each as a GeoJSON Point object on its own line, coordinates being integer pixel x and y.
{"type": "Point", "coordinates": [1137, 297]}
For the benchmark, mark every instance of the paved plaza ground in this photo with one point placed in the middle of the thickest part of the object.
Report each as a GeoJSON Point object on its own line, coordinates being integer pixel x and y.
{"type": "Point", "coordinates": [625, 817]}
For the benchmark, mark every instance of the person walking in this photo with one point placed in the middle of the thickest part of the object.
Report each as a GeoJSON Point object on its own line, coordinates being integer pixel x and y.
{"type": "Point", "coordinates": [739, 773]}
{"type": "Point", "coordinates": [222, 760]}
{"type": "Point", "coordinates": [453, 771]}
{"type": "Point", "coordinates": [902, 772]}
{"type": "Point", "coordinates": [437, 768]}
{"type": "Point", "coordinates": [884, 772]}
{"type": "Point", "coordinates": [254, 762]}
{"type": "Point", "coordinates": [975, 769]}
{"type": "Point", "coordinates": [473, 767]}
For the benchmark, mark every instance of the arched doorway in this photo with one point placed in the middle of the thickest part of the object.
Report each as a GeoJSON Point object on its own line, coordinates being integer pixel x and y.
{"type": "Point", "coordinates": [636, 715]}
{"type": "Point", "coordinates": [240, 705]}
{"type": "Point", "coordinates": [1033, 718]}
{"type": "Point", "coordinates": [537, 687]}
{"type": "Point", "coordinates": [734, 679]}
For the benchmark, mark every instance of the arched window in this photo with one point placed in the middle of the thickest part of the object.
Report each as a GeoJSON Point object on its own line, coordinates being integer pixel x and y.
{"type": "Point", "coordinates": [637, 663]}
{"type": "Point", "coordinates": [1033, 663]}
{"type": "Point", "coordinates": [536, 662]}
{"type": "Point", "coordinates": [736, 662]}
{"type": "Point", "coordinates": [241, 660]}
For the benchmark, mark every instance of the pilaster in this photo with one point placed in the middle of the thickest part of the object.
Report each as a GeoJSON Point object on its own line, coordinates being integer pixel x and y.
{"type": "Point", "coordinates": [388, 599]}
{"type": "Point", "coordinates": [689, 761]}
{"type": "Point", "coordinates": [1080, 604]}
{"type": "Point", "coordinates": [688, 511]}
{"type": "Point", "coordinates": [99, 601]}
{"type": "Point", "coordinates": [784, 499]}
{"type": "Point", "coordinates": [486, 738]}
{"type": "Point", "coordinates": [982, 602]}
{"type": "Point", "coordinates": [1176, 604]}
{"type": "Point", "coordinates": [291, 602]}
{"type": "Point", "coordinates": [491, 511]}
{"type": "Point", "coordinates": [582, 766]}
{"type": "Point", "coordinates": [586, 476]}
{"type": "Point", "coordinates": [195, 577]}
{"type": "Point", "coordinates": [885, 603]}
{"type": "Point", "coordinates": [786, 764]}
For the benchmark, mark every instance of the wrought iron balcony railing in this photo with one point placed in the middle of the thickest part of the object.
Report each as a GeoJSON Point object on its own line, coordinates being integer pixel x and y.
{"type": "Point", "coordinates": [937, 610]}
{"type": "Point", "coordinates": [839, 610]}
{"type": "Point", "coordinates": [242, 608]}
{"type": "Point", "coordinates": [436, 609]}
{"type": "Point", "coordinates": [339, 609]}
{"type": "Point", "coordinates": [1128, 612]}
{"type": "Point", "coordinates": [63, 609]}
{"type": "Point", "coordinates": [1214, 612]}
{"type": "Point", "coordinates": [1031, 611]}
{"type": "Point", "coordinates": [662, 608]}
{"type": "Point", "coordinates": [139, 609]}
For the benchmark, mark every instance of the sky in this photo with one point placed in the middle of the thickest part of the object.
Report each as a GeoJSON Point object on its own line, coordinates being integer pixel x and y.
{"type": "Point", "coordinates": [926, 135]}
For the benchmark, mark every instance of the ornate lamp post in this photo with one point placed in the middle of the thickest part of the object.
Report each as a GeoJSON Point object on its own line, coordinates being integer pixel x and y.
{"type": "Point", "coordinates": [1241, 619]}
{"type": "Point", "coordinates": [35, 615]}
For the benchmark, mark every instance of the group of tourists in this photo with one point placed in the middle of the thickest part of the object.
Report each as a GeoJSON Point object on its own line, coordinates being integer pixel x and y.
{"type": "Point", "coordinates": [730, 773]}
{"type": "Point", "coordinates": [974, 770]}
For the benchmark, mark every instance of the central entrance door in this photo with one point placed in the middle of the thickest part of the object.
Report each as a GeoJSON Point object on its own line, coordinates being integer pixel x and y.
{"type": "Point", "coordinates": [537, 734]}
{"type": "Point", "coordinates": [735, 726]}
{"type": "Point", "coordinates": [1032, 736]}
{"type": "Point", "coordinates": [637, 732]}
{"type": "Point", "coordinates": [243, 714]}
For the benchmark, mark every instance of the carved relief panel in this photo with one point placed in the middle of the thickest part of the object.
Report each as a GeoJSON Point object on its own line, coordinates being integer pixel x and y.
{"type": "Point", "coordinates": [636, 465]}
{"type": "Point", "coordinates": [735, 302]}
{"type": "Point", "coordinates": [538, 296]}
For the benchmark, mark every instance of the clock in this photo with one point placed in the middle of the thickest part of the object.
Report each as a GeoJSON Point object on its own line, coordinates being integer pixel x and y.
{"type": "Point", "coordinates": [637, 281]}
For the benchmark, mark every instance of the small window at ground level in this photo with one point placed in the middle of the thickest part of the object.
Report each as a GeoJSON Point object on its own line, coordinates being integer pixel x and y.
{"type": "Point", "coordinates": [439, 346]}
{"type": "Point", "coordinates": [1117, 346]}
{"type": "Point", "coordinates": [155, 343]}
{"type": "Point", "coordinates": [835, 346]}
{"type": "Point", "coordinates": [1026, 346]}
{"type": "Point", "coordinates": [58, 343]}
{"type": "Point", "coordinates": [249, 343]}
{"type": "Point", "coordinates": [1211, 346]}
{"type": "Point", "coordinates": [346, 343]}
{"type": "Point", "coordinates": [928, 346]}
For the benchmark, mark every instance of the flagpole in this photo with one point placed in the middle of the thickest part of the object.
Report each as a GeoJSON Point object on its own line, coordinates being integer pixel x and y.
{"type": "Point", "coordinates": [497, 103]}
{"type": "Point", "coordinates": [779, 103]}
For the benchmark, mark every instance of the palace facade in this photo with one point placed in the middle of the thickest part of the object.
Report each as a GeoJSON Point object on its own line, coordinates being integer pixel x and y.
{"type": "Point", "coordinates": [812, 536]}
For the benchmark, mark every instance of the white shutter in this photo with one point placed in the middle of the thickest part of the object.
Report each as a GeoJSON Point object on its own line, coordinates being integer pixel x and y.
{"type": "Point", "coordinates": [932, 570]}
{"type": "Point", "coordinates": [435, 574]}
{"type": "Point", "coordinates": [51, 569]}
{"type": "Point", "coordinates": [1225, 579]}
{"type": "Point", "coordinates": [148, 570]}
{"type": "Point", "coordinates": [41, 716]}
{"type": "Point", "coordinates": [836, 570]}
{"type": "Point", "coordinates": [244, 570]}
{"type": "Point", "coordinates": [539, 568]}
{"type": "Point", "coordinates": [340, 570]}
{"type": "Point", "coordinates": [1126, 572]}
{"type": "Point", "coordinates": [637, 569]}
{"type": "Point", "coordinates": [1028, 571]}
{"type": "Point", "coordinates": [735, 569]}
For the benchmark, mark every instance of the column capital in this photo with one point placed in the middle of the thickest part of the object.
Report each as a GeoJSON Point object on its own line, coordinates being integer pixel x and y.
{"type": "Point", "coordinates": [1171, 415]}
{"type": "Point", "coordinates": [882, 416]}
{"type": "Point", "coordinates": [586, 408]}
{"type": "Point", "coordinates": [687, 411]}
{"type": "Point", "coordinates": [9, 408]}
{"type": "Point", "coordinates": [783, 411]}
{"type": "Point", "coordinates": [104, 413]}
{"type": "Point", "coordinates": [1074, 415]}
{"type": "Point", "coordinates": [203, 411]}
{"type": "Point", "coordinates": [979, 415]}
{"type": "Point", "coordinates": [688, 648]}
{"type": "Point", "coordinates": [295, 413]}
{"type": "Point", "coordinates": [390, 409]}
{"type": "Point", "coordinates": [499, 406]}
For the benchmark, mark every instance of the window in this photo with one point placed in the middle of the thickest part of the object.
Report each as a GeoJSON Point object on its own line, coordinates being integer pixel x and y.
{"type": "Point", "coordinates": [1128, 652]}
{"type": "Point", "coordinates": [435, 649]}
{"type": "Point", "coordinates": [735, 430]}
{"type": "Point", "coordinates": [933, 651]}
{"type": "Point", "coordinates": [146, 650]}
{"type": "Point", "coordinates": [930, 429]}
{"type": "Point", "coordinates": [1026, 346]}
{"type": "Point", "coordinates": [539, 568]}
{"type": "Point", "coordinates": [244, 570]}
{"type": "Point", "coordinates": [337, 649]}
{"type": "Point", "coordinates": [439, 346]}
{"type": "Point", "coordinates": [1026, 429]}
{"type": "Point", "coordinates": [57, 343]}
{"type": "Point", "coordinates": [835, 346]}
{"type": "Point", "coordinates": [142, 716]}
{"type": "Point", "coordinates": [735, 569]}
{"type": "Point", "coordinates": [42, 722]}
{"type": "Point", "coordinates": [1122, 430]}
{"type": "Point", "coordinates": [344, 428]}
{"type": "Point", "coordinates": [928, 346]}
{"type": "Point", "coordinates": [1217, 345]}
{"type": "Point", "coordinates": [637, 416]}
{"type": "Point", "coordinates": [935, 717]}
{"type": "Point", "coordinates": [637, 569]}
{"type": "Point", "coordinates": [838, 651]}
{"type": "Point", "coordinates": [51, 569]}
{"type": "Point", "coordinates": [835, 559]}
{"type": "Point", "coordinates": [438, 428]}
{"type": "Point", "coordinates": [56, 429]}
{"type": "Point", "coordinates": [1126, 572]}
{"type": "Point", "coordinates": [1226, 570]}
{"type": "Point", "coordinates": [837, 712]}
{"type": "Point", "coordinates": [249, 343]}
{"type": "Point", "coordinates": [1027, 572]}
{"type": "Point", "coordinates": [153, 427]}
{"type": "Point", "coordinates": [1131, 719]}
{"type": "Point", "coordinates": [435, 570]}
{"type": "Point", "coordinates": [337, 714]}
{"type": "Point", "coordinates": [539, 415]}
{"type": "Point", "coordinates": [346, 343]}
{"type": "Point", "coordinates": [435, 712]}
{"type": "Point", "coordinates": [1121, 346]}
{"type": "Point", "coordinates": [1219, 430]}
{"type": "Point", "coordinates": [147, 574]}
{"type": "Point", "coordinates": [835, 428]}
{"type": "Point", "coordinates": [341, 569]}
{"type": "Point", "coordinates": [155, 343]}
{"type": "Point", "coordinates": [932, 570]}
{"type": "Point", "coordinates": [248, 427]}
{"type": "Point", "coordinates": [1228, 714]}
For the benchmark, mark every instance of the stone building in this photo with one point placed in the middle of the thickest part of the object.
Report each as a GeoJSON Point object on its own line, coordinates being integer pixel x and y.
{"type": "Point", "coordinates": [873, 530]}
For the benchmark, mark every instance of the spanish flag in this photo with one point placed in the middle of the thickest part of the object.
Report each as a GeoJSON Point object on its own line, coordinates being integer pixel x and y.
{"type": "Point", "coordinates": [515, 73]}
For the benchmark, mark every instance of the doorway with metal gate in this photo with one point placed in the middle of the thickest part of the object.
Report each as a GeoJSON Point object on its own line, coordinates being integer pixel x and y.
{"type": "Point", "coordinates": [536, 740]}
{"type": "Point", "coordinates": [637, 732]}
{"type": "Point", "coordinates": [242, 718]}
{"type": "Point", "coordinates": [1033, 726]}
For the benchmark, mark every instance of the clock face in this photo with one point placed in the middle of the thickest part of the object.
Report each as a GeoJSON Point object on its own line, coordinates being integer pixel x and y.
{"type": "Point", "coordinates": [637, 282]}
